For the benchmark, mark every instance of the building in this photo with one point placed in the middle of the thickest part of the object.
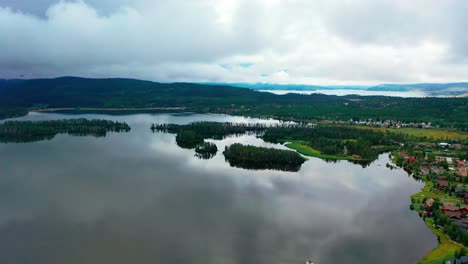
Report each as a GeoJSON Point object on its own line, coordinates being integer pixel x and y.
{"type": "Point", "coordinates": [462, 260]}
{"type": "Point", "coordinates": [429, 202]}
{"type": "Point", "coordinates": [460, 190]}
{"type": "Point", "coordinates": [437, 169]}
{"type": "Point", "coordinates": [463, 171]}
{"type": "Point", "coordinates": [453, 215]}
{"type": "Point", "coordinates": [442, 184]}
{"type": "Point", "coordinates": [424, 170]}
{"type": "Point", "coordinates": [449, 207]}
{"type": "Point", "coordinates": [443, 144]}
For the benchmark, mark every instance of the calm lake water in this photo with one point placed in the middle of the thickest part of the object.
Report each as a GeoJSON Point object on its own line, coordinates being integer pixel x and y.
{"type": "Point", "coordinates": [138, 198]}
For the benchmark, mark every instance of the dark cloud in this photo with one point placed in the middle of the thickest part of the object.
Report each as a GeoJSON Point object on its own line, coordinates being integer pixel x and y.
{"type": "Point", "coordinates": [318, 42]}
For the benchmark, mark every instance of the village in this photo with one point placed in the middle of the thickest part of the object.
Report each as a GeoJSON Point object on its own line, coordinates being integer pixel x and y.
{"type": "Point", "coordinates": [443, 202]}
{"type": "Point", "coordinates": [386, 123]}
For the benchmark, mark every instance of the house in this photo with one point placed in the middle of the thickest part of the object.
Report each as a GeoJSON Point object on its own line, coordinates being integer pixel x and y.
{"type": "Point", "coordinates": [463, 171]}
{"type": "Point", "coordinates": [429, 202]}
{"type": "Point", "coordinates": [452, 210]}
{"type": "Point", "coordinates": [449, 207]}
{"type": "Point", "coordinates": [449, 160]}
{"type": "Point", "coordinates": [460, 190]}
{"type": "Point", "coordinates": [443, 144]}
{"type": "Point", "coordinates": [442, 183]}
{"type": "Point", "coordinates": [437, 169]}
{"type": "Point", "coordinates": [453, 215]}
{"type": "Point", "coordinates": [464, 209]}
{"type": "Point", "coordinates": [424, 170]}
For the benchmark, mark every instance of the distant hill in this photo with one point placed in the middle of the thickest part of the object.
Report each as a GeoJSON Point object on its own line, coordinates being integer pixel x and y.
{"type": "Point", "coordinates": [432, 89]}
{"type": "Point", "coordinates": [115, 92]}
{"type": "Point", "coordinates": [298, 87]}
{"type": "Point", "coordinates": [16, 96]}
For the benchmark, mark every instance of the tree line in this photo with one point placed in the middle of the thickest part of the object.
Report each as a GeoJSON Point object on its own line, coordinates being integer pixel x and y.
{"type": "Point", "coordinates": [330, 140]}
{"type": "Point", "coordinates": [28, 131]}
{"type": "Point", "coordinates": [338, 140]}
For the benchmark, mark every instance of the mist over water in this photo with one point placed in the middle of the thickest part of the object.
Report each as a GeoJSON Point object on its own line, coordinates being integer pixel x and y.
{"type": "Point", "coordinates": [138, 198]}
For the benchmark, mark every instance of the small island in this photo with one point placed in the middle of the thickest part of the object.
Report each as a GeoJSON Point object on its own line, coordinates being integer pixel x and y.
{"type": "Point", "coordinates": [206, 150]}
{"type": "Point", "coordinates": [193, 135]}
{"type": "Point", "coordinates": [29, 131]}
{"type": "Point", "coordinates": [251, 157]}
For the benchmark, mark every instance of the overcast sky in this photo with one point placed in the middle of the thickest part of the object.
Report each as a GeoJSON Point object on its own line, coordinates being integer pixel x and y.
{"type": "Point", "coordinates": [277, 41]}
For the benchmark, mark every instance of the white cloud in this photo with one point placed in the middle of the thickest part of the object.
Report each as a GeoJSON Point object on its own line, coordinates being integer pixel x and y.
{"type": "Point", "coordinates": [299, 41]}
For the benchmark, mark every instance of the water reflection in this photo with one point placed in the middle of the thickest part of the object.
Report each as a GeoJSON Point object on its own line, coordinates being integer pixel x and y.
{"type": "Point", "coordinates": [138, 198]}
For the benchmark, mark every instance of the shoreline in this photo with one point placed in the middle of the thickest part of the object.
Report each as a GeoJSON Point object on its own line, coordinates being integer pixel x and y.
{"type": "Point", "coordinates": [446, 248]}
{"type": "Point", "coordinates": [110, 109]}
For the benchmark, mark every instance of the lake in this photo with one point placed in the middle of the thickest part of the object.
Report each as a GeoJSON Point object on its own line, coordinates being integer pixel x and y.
{"type": "Point", "coordinates": [138, 198]}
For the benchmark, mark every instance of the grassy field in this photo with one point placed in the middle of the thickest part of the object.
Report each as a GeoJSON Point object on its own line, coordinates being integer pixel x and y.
{"type": "Point", "coordinates": [300, 147]}
{"type": "Point", "coordinates": [421, 132]}
{"type": "Point", "coordinates": [427, 191]}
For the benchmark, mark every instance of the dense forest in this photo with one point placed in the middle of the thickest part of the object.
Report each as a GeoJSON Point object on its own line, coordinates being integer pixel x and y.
{"type": "Point", "coordinates": [363, 144]}
{"type": "Point", "coordinates": [251, 157]}
{"type": "Point", "coordinates": [213, 130]}
{"type": "Point", "coordinates": [206, 150]}
{"type": "Point", "coordinates": [28, 131]}
{"type": "Point", "coordinates": [127, 93]}
{"type": "Point", "coordinates": [188, 139]}
{"type": "Point", "coordinates": [340, 141]}
{"type": "Point", "coordinates": [12, 112]}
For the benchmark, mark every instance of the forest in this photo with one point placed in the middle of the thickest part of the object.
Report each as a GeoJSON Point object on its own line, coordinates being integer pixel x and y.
{"type": "Point", "coordinates": [29, 131]}
{"type": "Point", "coordinates": [213, 130]}
{"type": "Point", "coordinates": [363, 144]}
{"type": "Point", "coordinates": [193, 135]}
{"type": "Point", "coordinates": [340, 142]}
{"type": "Point", "coordinates": [206, 150]}
{"type": "Point", "coordinates": [251, 157]}
{"type": "Point", "coordinates": [128, 93]}
{"type": "Point", "coordinates": [12, 112]}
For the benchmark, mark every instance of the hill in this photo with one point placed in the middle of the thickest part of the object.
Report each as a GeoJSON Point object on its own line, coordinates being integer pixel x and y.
{"type": "Point", "coordinates": [431, 89]}
{"type": "Point", "coordinates": [129, 93]}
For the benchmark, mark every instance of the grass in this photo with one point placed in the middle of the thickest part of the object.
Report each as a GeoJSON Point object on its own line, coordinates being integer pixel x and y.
{"type": "Point", "coordinates": [427, 191]}
{"type": "Point", "coordinates": [446, 248]}
{"type": "Point", "coordinates": [434, 133]}
{"type": "Point", "coordinates": [304, 149]}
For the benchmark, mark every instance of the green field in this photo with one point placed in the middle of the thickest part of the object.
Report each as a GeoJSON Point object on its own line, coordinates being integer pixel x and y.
{"type": "Point", "coordinates": [434, 133]}
{"type": "Point", "coordinates": [302, 148]}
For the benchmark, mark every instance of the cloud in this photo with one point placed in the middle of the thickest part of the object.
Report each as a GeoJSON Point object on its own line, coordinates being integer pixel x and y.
{"type": "Point", "coordinates": [321, 42]}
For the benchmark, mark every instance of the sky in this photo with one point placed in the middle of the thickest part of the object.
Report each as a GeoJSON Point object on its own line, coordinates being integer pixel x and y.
{"type": "Point", "coordinates": [323, 42]}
